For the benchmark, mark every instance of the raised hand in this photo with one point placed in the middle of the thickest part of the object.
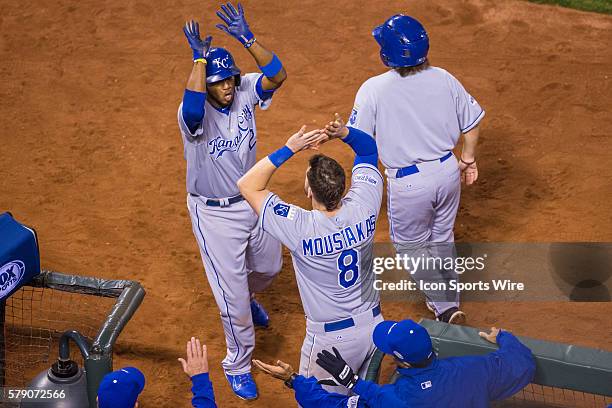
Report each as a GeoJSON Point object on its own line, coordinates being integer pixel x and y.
{"type": "Point", "coordinates": [192, 32]}
{"type": "Point", "coordinates": [302, 141]}
{"type": "Point", "coordinates": [336, 128]}
{"type": "Point", "coordinates": [197, 358]}
{"type": "Point", "coordinates": [235, 24]}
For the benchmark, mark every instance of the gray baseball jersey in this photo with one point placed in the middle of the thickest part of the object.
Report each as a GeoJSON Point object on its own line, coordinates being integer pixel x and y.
{"type": "Point", "coordinates": [222, 149]}
{"type": "Point", "coordinates": [332, 256]}
{"type": "Point", "coordinates": [417, 118]}
{"type": "Point", "coordinates": [239, 258]}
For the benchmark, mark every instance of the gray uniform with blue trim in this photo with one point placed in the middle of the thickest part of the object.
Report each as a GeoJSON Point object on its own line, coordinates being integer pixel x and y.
{"type": "Point", "coordinates": [222, 149]}
{"type": "Point", "coordinates": [239, 258]}
{"type": "Point", "coordinates": [332, 259]}
{"type": "Point", "coordinates": [417, 121]}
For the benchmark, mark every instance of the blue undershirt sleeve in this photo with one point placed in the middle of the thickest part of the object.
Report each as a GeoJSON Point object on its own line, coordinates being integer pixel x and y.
{"type": "Point", "coordinates": [193, 109]}
{"type": "Point", "coordinates": [262, 93]}
{"type": "Point", "coordinates": [363, 145]}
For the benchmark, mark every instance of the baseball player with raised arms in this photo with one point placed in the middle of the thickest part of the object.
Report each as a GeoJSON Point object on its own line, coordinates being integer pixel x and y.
{"type": "Point", "coordinates": [331, 245]}
{"type": "Point", "coordinates": [217, 122]}
{"type": "Point", "coordinates": [417, 113]}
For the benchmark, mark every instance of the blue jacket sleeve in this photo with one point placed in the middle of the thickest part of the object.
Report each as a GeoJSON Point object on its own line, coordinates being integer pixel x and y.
{"type": "Point", "coordinates": [511, 367]}
{"type": "Point", "coordinates": [363, 145]}
{"type": "Point", "coordinates": [193, 109]}
{"type": "Point", "coordinates": [309, 394]}
{"type": "Point", "coordinates": [203, 396]}
{"type": "Point", "coordinates": [377, 396]}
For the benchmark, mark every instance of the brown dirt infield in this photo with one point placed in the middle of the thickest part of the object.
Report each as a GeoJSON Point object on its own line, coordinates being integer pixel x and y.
{"type": "Point", "coordinates": [91, 154]}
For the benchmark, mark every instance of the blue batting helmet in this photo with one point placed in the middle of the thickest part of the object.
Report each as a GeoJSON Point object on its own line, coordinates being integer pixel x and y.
{"type": "Point", "coordinates": [403, 41]}
{"type": "Point", "coordinates": [220, 65]}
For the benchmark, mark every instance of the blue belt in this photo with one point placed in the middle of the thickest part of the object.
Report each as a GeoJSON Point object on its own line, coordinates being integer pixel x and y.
{"type": "Point", "coordinates": [346, 323]}
{"type": "Point", "coordinates": [406, 171]}
{"type": "Point", "coordinates": [221, 203]}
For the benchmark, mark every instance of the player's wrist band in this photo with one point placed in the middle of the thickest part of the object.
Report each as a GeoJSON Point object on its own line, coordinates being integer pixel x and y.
{"type": "Point", "coordinates": [289, 381]}
{"type": "Point", "coordinates": [272, 68]}
{"type": "Point", "coordinates": [467, 163]}
{"type": "Point", "coordinates": [280, 156]}
{"type": "Point", "coordinates": [202, 60]}
{"type": "Point", "coordinates": [248, 43]}
{"type": "Point", "coordinates": [352, 382]}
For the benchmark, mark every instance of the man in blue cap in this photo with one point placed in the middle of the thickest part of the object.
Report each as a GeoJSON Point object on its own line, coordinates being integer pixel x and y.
{"type": "Point", "coordinates": [121, 388]}
{"type": "Point", "coordinates": [424, 380]}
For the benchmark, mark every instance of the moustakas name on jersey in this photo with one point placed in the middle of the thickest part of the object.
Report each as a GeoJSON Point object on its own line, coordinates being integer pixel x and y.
{"type": "Point", "coordinates": [332, 256]}
{"type": "Point", "coordinates": [353, 235]}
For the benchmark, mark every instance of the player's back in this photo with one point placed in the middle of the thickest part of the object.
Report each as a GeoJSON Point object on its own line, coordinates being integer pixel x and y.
{"type": "Point", "coordinates": [333, 264]}
{"type": "Point", "coordinates": [414, 118]}
{"type": "Point", "coordinates": [332, 256]}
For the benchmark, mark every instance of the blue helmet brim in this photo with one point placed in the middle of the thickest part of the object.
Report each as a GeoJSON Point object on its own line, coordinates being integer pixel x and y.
{"type": "Point", "coordinates": [233, 71]}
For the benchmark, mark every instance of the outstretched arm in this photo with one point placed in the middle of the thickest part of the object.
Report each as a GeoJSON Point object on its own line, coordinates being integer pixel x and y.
{"type": "Point", "coordinates": [511, 367]}
{"type": "Point", "coordinates": [235, 24]}
{"type": "Point", "coordinates": [253, 184]}
{"type": "Point", "coordinates": [196, 367]}
{"type": "Point", "coordinates": [308, 392]}
{"type": "Point", "coordinates": [195, 90]}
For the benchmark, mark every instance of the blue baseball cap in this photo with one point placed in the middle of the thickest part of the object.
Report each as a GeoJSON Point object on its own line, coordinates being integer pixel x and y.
{"type": "Point", "coordinates": [120, 389]}
{"type": "Point", "coordinates": [407, 340]}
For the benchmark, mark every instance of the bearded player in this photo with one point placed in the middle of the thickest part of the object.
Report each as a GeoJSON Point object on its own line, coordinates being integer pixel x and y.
{"type": "Point", "coordinates": [417, 114]}
{"type": "Point", "coordinates": [331, 245]}
{"type": "Point", "coordinates": [217, 122]}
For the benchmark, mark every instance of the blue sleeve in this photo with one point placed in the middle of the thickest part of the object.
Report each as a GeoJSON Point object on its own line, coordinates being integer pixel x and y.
{"type": "Point", "coordinates": [309, 394]}
{"type": "Point", "coordinates": [203, 396]}
{"type": "Point", "coordinates": [377, 396]}
{"type": "Point", "coordinates": [193, 109]}
{"type": "Point", "coordinates": [511, 367]}
{"type": "Point", "coordinates": [363, 145]}
{"type": "Point", "coordinates": [262, 93]}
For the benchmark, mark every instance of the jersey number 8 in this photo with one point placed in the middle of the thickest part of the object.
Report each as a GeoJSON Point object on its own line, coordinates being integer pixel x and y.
{"type": "Point", "coordinates": [348, 265]}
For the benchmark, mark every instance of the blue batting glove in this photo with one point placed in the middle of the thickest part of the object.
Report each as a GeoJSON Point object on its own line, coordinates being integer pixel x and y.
{"type": "Point", "coordinates": [235, 24]}
{"type": "Point", "coordinates": [192, 32]}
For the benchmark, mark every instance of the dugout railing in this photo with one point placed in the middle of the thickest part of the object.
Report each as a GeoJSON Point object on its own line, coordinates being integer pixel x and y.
{"type": "Point", "coordinates": [566, 375]}
{"type": "Point", "coordinates": [33, 319]}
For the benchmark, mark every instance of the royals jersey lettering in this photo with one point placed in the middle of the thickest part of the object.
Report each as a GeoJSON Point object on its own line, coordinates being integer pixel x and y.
{"type": "Point", "coordinates": [222, 149]}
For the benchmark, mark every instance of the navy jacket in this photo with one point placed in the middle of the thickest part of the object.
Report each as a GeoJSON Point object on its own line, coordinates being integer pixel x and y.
{"type": "Point", "coordinates": [470, 382]}
{"type": "Point", "coordinates": [203, 396]}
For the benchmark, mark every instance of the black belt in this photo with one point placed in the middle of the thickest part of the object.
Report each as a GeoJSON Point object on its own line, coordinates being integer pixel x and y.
{"type": "Point", "coordinates": [220, 203]}
{"type": "Point", "coordinates": [406, 171]}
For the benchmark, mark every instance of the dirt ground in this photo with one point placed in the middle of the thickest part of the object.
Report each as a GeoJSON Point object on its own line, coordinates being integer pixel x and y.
{"type": "Point", "coordinates": [92, 156]}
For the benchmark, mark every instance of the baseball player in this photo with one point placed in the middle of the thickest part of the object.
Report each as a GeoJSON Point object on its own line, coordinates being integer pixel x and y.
{"type": "Point", "coordinates": [217, 122]}
{"type": "Point", "coordinates": [417, 112]}
{"type": "Point", "coordinates": [331, 245]}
